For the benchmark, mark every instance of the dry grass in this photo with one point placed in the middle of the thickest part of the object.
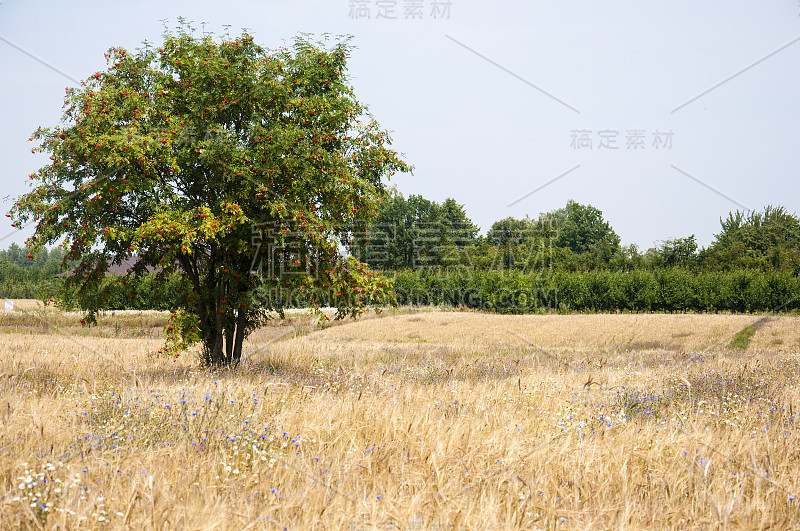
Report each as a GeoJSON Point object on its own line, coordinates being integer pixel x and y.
{"type": "Point", "coordinates": [24, 304]}
{"type": "Point", "coordinates": [435, 420]}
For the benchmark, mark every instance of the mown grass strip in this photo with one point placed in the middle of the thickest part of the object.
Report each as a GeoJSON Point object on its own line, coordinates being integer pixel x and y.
{"type": "Point", "coordinates": [742, 340]}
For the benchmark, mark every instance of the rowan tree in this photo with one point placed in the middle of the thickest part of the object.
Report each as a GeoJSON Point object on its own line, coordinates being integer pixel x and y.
{"type": "Point", "coordinates": [208, 156]}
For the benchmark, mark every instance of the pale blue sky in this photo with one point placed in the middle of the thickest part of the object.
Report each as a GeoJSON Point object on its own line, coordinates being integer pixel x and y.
{"type": "Point", "coordinates": [486, 101]}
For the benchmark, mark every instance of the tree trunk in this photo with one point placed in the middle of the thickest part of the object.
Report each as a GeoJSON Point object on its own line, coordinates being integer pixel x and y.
{"type": "Point", "coordinates": [216, 350]}
{"type": "Point", "coordinates": [216, 354]}
{"type": "Point", "coordinates": [241, 322]}
{"type": "Point", "coordinates": [229, 331]}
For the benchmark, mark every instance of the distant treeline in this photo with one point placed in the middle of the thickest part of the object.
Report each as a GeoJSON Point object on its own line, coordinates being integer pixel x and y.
{"type": "Point", "coordinates": [42, 278]}
{"type": "Point", "coordinates": [23, 278]}
{"type": "Point", "coordinates": [568, 260]}
{"type": "Point", "coordinates": [416, 233]}
{"type": "Point", "coordinates": [664, 290]}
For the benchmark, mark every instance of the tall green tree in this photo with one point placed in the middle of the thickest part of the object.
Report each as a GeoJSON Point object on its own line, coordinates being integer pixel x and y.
{"type": "Point", "coordinates": [213, 157]}
{"type": "Point", "coordinates": [678, 252]}
{"type": "Point", "coordinates": [521, 243]}
{"type": "Point", "coordinates": [15, 255]}
{"type": "Point", "coordinates": [753, 239]}
{"type": "Point", "coordinates": [509, 231]}
{"type": "Point", "coordinates": [25, 275]}
{"type": "Point", "coordinates": [582, 229]}
{"type": "Point", "coordinates": [416, 232]}
{"type": "Point", "coordinates": [456, 233]}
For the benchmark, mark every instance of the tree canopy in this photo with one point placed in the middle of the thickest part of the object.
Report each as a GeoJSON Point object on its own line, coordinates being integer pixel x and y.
{"type": "Point", "coordinates": [762, 240]}
{"type": "Point", "coordinates": [581, 228]}
{"type": "Point", "coordinates": [678, 251]}
{"type": "Point", "coordinates": [244, 169]}
{"type": "Point", "coordinates": [416, 232]}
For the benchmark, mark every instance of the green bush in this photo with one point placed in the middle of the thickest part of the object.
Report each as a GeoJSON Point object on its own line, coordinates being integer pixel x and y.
{"type": "Point", "coordinates": [663, 290]}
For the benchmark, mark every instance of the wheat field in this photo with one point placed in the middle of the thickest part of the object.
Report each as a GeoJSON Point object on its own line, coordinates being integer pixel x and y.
{"type": "Point", "coordinates": [408, 420]}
